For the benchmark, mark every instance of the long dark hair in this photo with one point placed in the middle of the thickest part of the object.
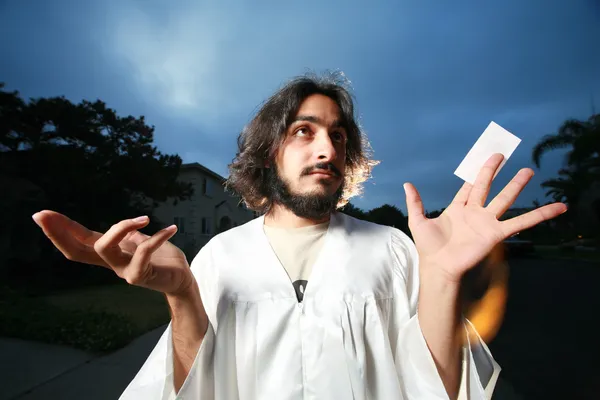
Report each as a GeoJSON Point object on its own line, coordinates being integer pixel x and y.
{"type": "Point", "coordinates": [260, 140]}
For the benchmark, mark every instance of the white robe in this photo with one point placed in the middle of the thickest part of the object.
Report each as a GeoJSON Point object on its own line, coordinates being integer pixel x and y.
{"type": "Point", "coordinates": [356, 335]}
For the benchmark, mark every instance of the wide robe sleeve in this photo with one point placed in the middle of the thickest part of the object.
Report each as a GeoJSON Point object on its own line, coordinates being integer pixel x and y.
{"type": "Point", "coordinates": [154, 381]}
{"type": "Point", "coordinates": [414, 363]}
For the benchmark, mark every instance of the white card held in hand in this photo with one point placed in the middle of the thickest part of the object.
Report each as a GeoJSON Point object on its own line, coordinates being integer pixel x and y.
{"type": "Point", "coordinates": [495, 139]}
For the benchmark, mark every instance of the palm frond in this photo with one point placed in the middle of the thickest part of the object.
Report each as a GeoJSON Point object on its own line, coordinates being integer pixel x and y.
{"type": "Point", "coordinates": [550, 142]}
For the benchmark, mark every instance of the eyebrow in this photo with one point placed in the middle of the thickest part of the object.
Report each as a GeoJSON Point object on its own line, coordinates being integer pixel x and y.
{"type": "Point", "coordinates": [311, 118]}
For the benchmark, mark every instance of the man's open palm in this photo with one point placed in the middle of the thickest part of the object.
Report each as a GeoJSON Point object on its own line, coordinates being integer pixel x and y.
{"type": "Point", "coordinates": [147, 261]}
{"type": "Point", "coordinates": [467, 230]}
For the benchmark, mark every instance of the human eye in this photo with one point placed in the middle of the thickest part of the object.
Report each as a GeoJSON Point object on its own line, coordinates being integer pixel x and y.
{"type": "Point", "coordinates": [338, 136]}
{"type": "Point", "coordinates": [302, 132]}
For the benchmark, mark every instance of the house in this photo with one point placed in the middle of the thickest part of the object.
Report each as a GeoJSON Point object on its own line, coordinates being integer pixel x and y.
{"type": "Point", "coordinates": [209, 211]}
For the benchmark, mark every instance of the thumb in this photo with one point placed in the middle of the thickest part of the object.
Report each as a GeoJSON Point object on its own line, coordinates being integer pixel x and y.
{"type": "Point", "coordinates": [414, 205]}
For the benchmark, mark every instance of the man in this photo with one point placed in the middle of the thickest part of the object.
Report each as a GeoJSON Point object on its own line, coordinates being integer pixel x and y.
{"type": "Point", "coordinates": [305, 302]}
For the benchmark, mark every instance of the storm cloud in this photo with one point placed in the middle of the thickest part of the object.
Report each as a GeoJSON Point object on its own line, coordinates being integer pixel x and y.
{"type": "Point", "coordinates": [428, 78]}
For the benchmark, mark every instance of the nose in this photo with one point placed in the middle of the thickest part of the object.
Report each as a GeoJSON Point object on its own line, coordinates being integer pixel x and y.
{"type": "Point", "coordinates": [325, 149]}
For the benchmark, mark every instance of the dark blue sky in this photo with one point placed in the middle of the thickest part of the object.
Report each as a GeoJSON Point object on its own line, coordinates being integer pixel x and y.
{"type": "Point", "coordinates": [428, 76]}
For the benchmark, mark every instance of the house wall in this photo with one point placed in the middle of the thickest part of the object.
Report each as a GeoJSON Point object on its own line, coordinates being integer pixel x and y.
{"type": "Point", "coordinates": [205, 214]}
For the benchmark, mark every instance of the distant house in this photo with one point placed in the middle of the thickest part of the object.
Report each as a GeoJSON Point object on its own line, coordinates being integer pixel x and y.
{"type": "Point", "coordinates": [209, 211]}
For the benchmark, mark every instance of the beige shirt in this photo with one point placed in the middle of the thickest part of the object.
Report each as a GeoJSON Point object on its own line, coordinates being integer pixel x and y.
{"type": "Point", "coordinates": [297, 250]}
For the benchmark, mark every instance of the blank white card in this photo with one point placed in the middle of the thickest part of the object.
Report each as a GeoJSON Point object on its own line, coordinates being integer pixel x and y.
{"type": "Point", "coordinates": [495, 139]}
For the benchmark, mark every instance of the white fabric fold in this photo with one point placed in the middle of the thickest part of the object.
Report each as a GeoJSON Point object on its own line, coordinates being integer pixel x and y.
{"type": "Point", "coordinates": [355, 336]}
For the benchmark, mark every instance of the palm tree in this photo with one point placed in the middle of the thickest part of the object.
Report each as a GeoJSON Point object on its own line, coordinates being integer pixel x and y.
{"type": "Point", "coordinates": [582, 160]}
{"type": "Point", "coordinates": [567, 188]}
{"type": "Point", "coordinates": [582, 169]}
{"type": "Point", "coordinates": [582, 136]}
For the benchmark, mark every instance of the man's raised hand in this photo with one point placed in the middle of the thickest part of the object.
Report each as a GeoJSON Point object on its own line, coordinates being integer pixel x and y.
{"type": "Point", "coordinates": [467, 230]}
{"type": "Point", "coordinates": [147, 261]}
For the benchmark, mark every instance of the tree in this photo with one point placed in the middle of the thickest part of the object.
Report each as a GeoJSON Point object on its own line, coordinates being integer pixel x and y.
{"type": "Point", "coordinates": [353, 211]}
{"type": "Point", "coordinates": [389, 215]}
{"type": "Point", "coordinates": [89, 163]}
{"type": "Point", "coordinates": [581, 171]}
{"type": "Point", "coordinates": [434, 213]}
{"type": "Point", "coordinates": [567, 187]}
{"type": "Point", "coordinates": [583, 139]}
{"type": "Point", "coordinates": [582, 160]}
{"type": "Point", "coordinates": [386, 214]}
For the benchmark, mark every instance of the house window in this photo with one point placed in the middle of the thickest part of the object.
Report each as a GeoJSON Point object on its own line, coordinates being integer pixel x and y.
{"type": "Point", "coordinates": [180, 222]}
{"type": "Point", "coordinates": [207, 187]}
{"type": "Point", "coordinates": [206, 226]}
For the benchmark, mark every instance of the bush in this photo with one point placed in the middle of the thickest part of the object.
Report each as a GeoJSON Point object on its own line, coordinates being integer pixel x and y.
{"type": "Point", "coordinates": [88, 329]}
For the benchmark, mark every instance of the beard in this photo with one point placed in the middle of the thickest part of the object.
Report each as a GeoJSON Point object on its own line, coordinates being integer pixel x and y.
{"type": "Point", "coordinates": [315, 205]}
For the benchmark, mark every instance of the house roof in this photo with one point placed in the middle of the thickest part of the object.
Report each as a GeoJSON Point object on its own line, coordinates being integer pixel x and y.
{"type": "Point", "coordinates": [202, 168]}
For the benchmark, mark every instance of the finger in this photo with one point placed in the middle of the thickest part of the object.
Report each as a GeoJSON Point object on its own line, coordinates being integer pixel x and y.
{"type": "Point", "coordinates": [481, 186]}
{"type": "Point", "coordinates": [509, 194]}
{"type": "Point", "coordinates": [107, 246]}
{"type": "Point", "coordinates": [414, 205]}
{"type": "Point", "coordinates": [131, 241]}
{"type": "Point", "coordinates": [137, 237]}
{"type": "Point", "coordinates": [532, 218]}
{"type": "Point", "coordinates": [463, 194]}
{"type": "Point", "coordinates": [59, 222]}
{"type": "Point", "coordinates": [72, 239]}
{"type": "Point", "coordinates": [137, 271]}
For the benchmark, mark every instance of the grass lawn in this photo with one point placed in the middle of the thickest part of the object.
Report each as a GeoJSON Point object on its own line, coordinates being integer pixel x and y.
{"type": "Point", "coordinates": [97, 319]}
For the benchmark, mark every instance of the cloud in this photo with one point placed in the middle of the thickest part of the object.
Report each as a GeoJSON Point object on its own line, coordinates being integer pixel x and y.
{"type": "Point", "coordinates": [428, 79]}
{"type": "Point", "coordinates": [174, 62]}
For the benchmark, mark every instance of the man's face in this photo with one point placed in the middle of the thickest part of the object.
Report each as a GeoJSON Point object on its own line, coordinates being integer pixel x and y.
{"type": "Point", "coordinates": [310, 164]}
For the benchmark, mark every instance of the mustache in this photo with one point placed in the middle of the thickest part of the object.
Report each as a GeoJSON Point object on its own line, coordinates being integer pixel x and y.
{"type": "Point", "coordinates": [329, 167]}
